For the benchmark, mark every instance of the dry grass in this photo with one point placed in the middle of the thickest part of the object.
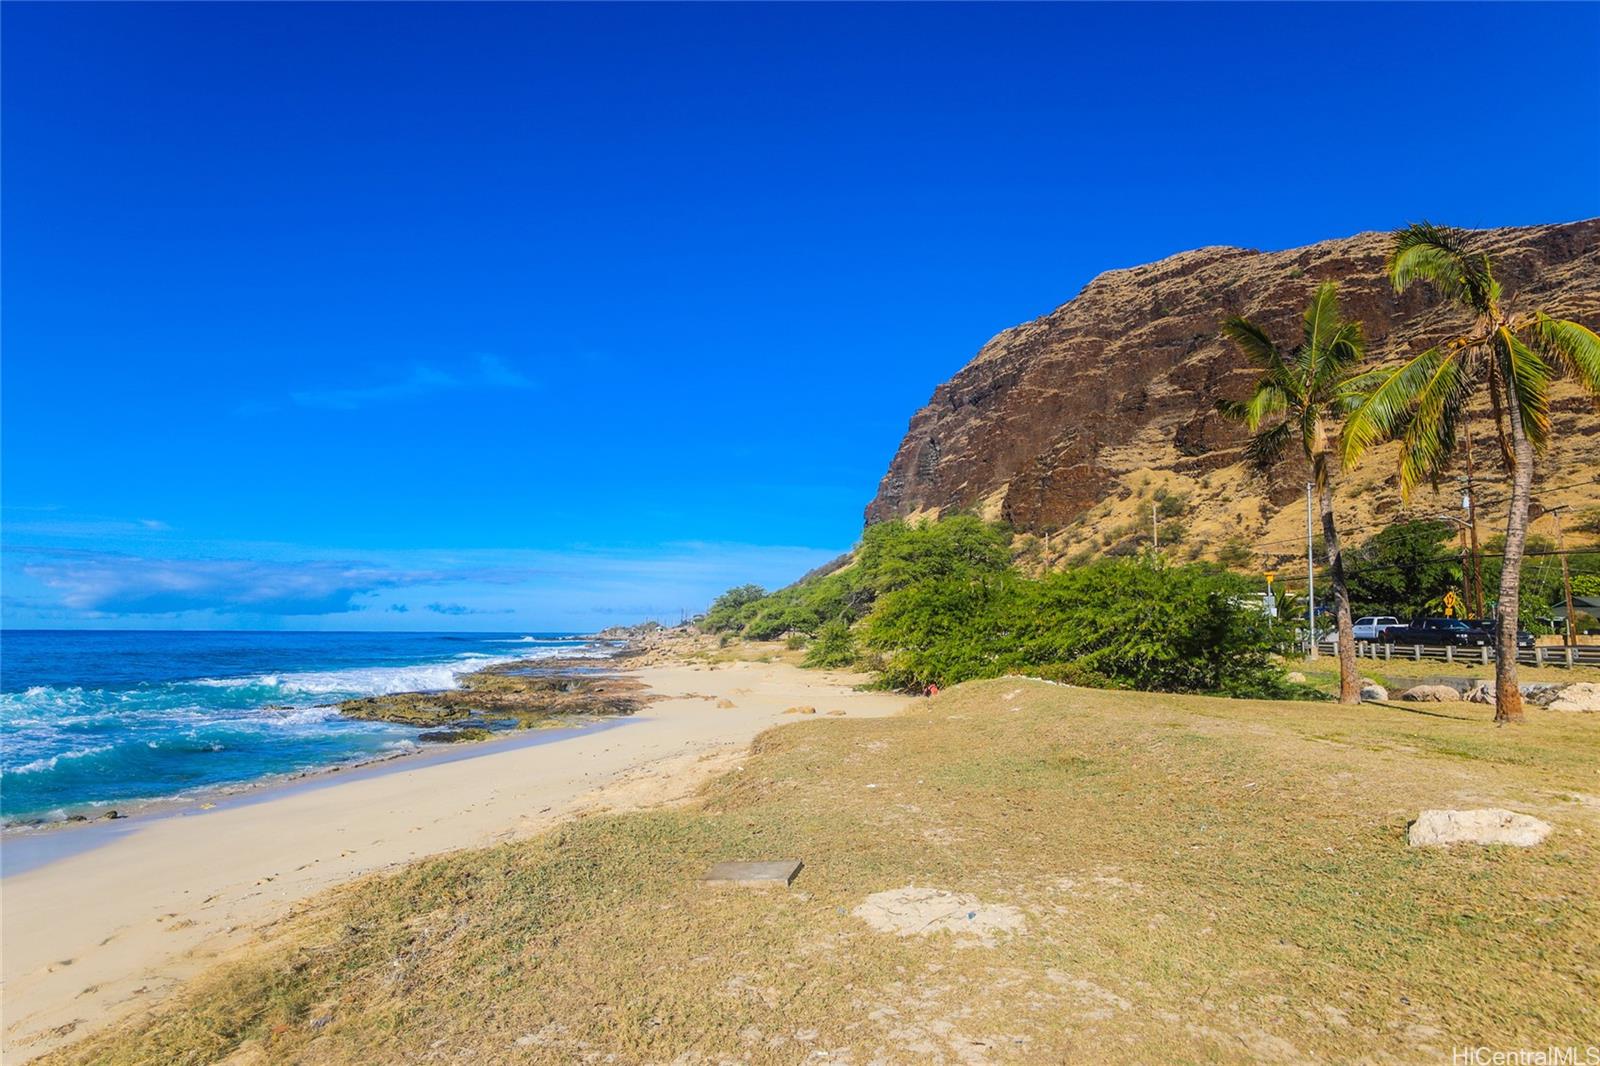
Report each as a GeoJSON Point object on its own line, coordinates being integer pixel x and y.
{"type": "Point", "coordinates": [1202, 880]}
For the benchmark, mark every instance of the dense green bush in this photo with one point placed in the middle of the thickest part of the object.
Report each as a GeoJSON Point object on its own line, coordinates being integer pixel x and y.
{"type": "Point", "coordinates": [1152, 626]}
{"type": "Point", "coordinates": [835, 646]}
{"type": "Point", "coordinates": [726, 610]}
{"type": "Point", "coordinates": [1131, 623]}
{"type": "Point", "coordinates": [891, 555]}
{"type": "Point", "coordinates": [940, 602]}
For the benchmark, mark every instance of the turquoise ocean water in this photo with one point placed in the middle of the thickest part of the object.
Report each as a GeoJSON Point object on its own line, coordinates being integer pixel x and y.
{"type": "Point", "coordinates": [89, 721]}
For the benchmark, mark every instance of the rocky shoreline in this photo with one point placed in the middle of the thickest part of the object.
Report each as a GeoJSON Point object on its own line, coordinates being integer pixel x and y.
{"type": "Point", "coordinates": [525, 694]}
{"type": "Point", "coordinates": [491, 704]}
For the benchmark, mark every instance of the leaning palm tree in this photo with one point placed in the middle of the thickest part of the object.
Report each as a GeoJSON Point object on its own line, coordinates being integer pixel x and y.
{"type": "Point", "coordinates": [1300, 398]}
{"type": "Point", "coordinates": [1510, 357]}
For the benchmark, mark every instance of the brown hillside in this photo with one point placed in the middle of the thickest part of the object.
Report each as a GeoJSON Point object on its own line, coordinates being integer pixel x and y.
{"type": "Point", "coordinates": [1068, 425]}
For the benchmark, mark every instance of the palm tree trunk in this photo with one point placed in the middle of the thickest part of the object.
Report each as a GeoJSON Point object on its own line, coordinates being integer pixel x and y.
{"type": "Point", "coordinates": [1349, 675]}
{"type": "Point", "coordinates": [1507, 696]}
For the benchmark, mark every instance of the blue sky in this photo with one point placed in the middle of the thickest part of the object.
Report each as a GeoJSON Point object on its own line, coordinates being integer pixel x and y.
{"type": "Point", "coordinates": [542, 317]}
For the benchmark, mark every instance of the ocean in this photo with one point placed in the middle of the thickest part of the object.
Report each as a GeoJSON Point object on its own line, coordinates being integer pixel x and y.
{"type": "Point", "coordinates": [93, 720]}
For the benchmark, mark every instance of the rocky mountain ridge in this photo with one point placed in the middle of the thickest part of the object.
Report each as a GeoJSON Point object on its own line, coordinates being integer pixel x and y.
{"type": "Point", "coordinates": [1095, 422]}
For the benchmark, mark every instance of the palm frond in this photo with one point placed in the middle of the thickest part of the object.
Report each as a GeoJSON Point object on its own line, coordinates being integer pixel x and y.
{"type": "Point", "coordinates": [1387, 403]}
{"type": "Point", "coordinates": [1353, 391]}
{"type": "Point", "coordinates": [1429, 438]}
{"type": "Point", "coordinates": [1573, 347]}
{"type": "Point", "coordinates": [1267, 447]}
{"type": "Point", "coordinates": [1253, 341]}
{"type": "Point", "coordinates": [1266, 401]}
{"type": "Point", "coordinates": [1320, 320]}
{"type": "Point", "coordinates": [1497, 412]}
{"type": "Point", "coordinates": [1443, 256]}
{"type": "Point", "coordinates": [1530, 381]}
{"type": "Point", "coordinates": [1345, 349]}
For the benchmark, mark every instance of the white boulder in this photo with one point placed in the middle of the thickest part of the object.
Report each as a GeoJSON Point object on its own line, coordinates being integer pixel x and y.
{"type": "Point", "coordinates": [1371, 690]}
{"type": "Point", "coordinates": [1578, 696]}
{"type": "Point", "coordinates": [1431, 694]}
{"type": "Point", "coordinates": [1492, 825]}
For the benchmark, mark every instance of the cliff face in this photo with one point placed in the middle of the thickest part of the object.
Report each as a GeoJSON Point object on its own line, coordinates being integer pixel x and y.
{"type": "Point", "coordinates": [1059, 423]}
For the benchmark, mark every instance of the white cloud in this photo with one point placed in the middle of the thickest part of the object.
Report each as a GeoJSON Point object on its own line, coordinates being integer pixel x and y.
{"type": "Point", "coordinates": [485, 372]}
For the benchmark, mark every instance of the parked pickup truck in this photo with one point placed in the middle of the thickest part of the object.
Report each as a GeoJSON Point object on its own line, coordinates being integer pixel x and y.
{"type": "Point", "coordinates": [1490, 628]}
{"type": "Point", "coordinates": [1372, 625]}
{"type": "Point", "coordinates": [1437, 633]}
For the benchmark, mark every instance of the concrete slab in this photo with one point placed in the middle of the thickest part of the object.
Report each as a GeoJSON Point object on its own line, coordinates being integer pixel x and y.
{"type": "Point", "coordinates": [774, 873]}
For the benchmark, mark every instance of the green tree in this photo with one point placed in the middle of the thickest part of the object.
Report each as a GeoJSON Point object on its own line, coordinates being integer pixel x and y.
{"type": "Point", "coordinates": [895, 554]}
{"type": "Point", "coordinates": [725, 610]}
{"type": "Point", "coordinates": [1402, 569]}
{"type": "Point", "coordinates": [1508, 356]}
{"type": "Point", "coordinates": [835, 646]}
{"type": "Point", "coordinates": [1298, 400]}
{"type": "Point", "coordinates": [1541, 584]}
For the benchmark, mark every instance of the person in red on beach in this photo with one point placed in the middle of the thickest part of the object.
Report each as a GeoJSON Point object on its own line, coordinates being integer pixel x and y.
{"type": "Point", "coordinates": [933, 690]}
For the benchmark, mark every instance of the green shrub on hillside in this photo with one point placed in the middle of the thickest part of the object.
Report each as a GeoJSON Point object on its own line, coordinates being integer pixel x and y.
{"type": "Point", "coordinates": [1125, 623]}
{"type": "Point", "coordinates": [894, 554]}
{"type": "Point", "coordinates": [725, 611]}
{"type": "Point", "coordinates": [945, 629]}
{"type": "Point", "coordinates": [891, 555]}
{"type": "Point", "coordinates": [1151, 626]}
{"type": "Point", "coordinates": [834, 647]}
{"type": "Point", "coordinates": [940, 602]}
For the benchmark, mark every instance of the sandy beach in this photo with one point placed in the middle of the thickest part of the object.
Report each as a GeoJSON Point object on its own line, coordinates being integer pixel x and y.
{"type": "Point", "coordinates": [117, 919]}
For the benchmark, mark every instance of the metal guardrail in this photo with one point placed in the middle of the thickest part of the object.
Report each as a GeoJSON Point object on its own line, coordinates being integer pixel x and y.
{"type": "Point", "coordinates": [1542, 655]}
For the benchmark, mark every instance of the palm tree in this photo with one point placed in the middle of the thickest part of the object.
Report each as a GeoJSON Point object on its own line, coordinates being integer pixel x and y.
{"type": "Point", "coordinates": [1301, 397]}
{"type": "Point", "coordinates": [1508, 355]}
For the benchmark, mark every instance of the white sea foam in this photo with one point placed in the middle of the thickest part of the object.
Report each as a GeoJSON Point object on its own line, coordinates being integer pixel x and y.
{"type": "Point", "coordinates": [51, 762]}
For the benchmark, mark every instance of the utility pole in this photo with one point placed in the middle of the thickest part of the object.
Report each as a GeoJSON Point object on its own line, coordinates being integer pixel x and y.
{"type": "Point", "coordinates": [1566, 576]}
{"type": "Point", "coordinates": [1311, 580]}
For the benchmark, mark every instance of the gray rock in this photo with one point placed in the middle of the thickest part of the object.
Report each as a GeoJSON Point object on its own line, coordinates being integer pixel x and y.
{"type": "Point", "coordinates": [1371, 691]}
{"type": "Point", "coordinates": [1295, 677]}
{"type": "Point", "coordinates": [1492, 825]}
{"type": "Point", "coordinates": [1431, 694]}
{"type": "Point", "coordinates": [1540, 693]}
{"type": "Point", "coordinates": [1581, 696]}
{"type": "Point", "coordinates": [1480, 692]}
